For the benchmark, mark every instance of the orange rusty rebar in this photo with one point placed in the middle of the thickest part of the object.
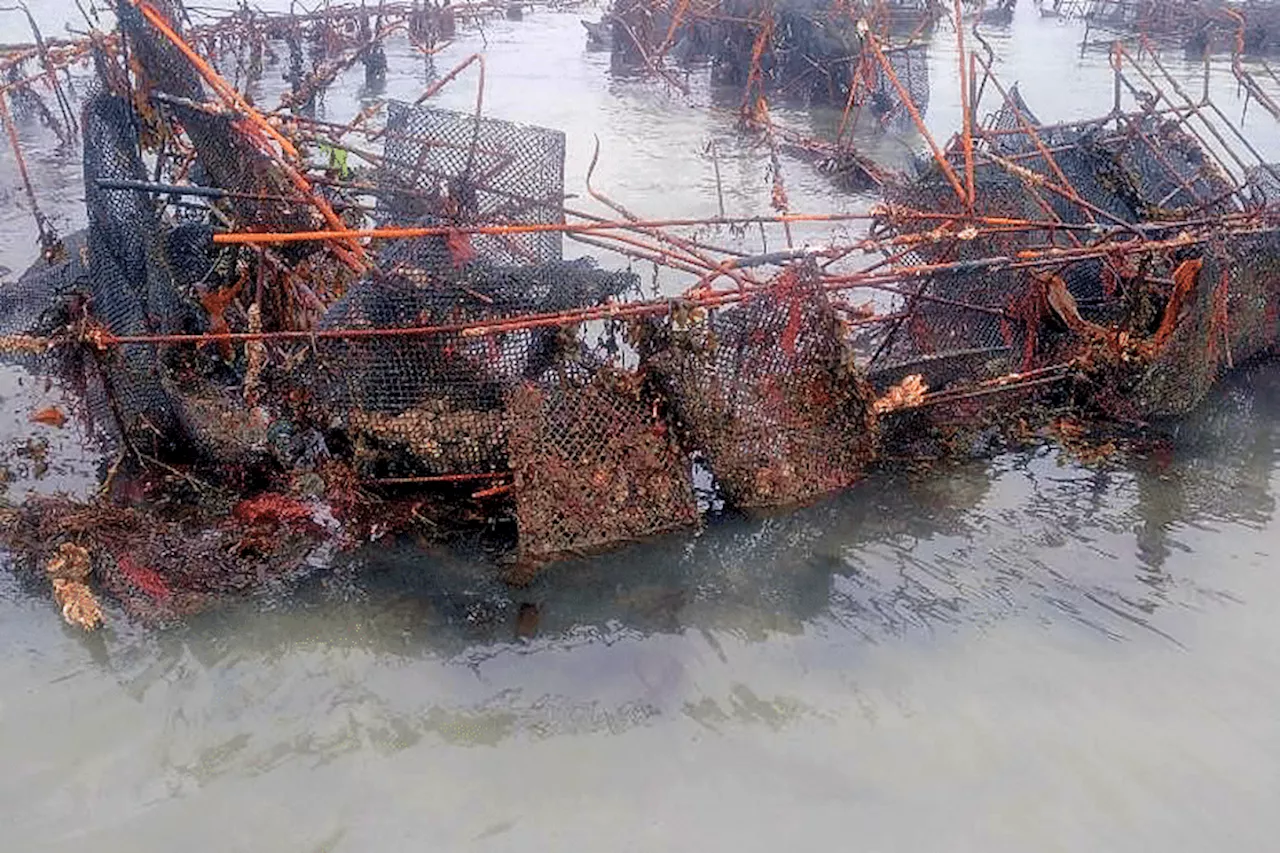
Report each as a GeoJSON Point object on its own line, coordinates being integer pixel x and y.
{"type": "Point", "coordinates": [967, 131]}
{"type": "Point", "coordinates": [755, 74]}
{"type": "Point", "coordinates": [224, 89]}
{"type": "Point", "coordinates": [640, 252]}
{"type": "Point", "coordinates": [914, 112]}
{"type": "Point", "coordinates": [446, 79]}
{"type": "Point", "coordinates": [493, 491]}
{"type": "Point", "coordinates": [859, 78]}
{"type": "Point", "coordinates": [234, 99]}
{"type": "Point", "coordinates": [440, 478]}
{"type": "Point", "coordinates": [42, 225]}
{"type": "Point", "coordinates": [266, 237]}
{"type": "Point", "coordinates": [671, 30]}
{"type": "Point", "coordinates": [1028, 259]}
{"type": "Point", "coordinates": [647, 228]}
{"type": "Point", "coordinates": [263, 237]}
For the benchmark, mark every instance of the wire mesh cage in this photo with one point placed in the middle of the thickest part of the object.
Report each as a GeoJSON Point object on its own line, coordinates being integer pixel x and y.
{"type": "Point", "coordinates": [594, 463]}
{"type": "Point", "coordinates": [409, 365]}
{"type": "Point", "coordinates": [433, 341]}
{"type": "Point", "coordinates": [768, 393]}
{"type": "Point", "coordinates": [447, 167]}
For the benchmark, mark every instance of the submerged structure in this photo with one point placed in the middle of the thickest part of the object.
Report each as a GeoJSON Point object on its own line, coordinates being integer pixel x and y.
{"type": "Point", "coordinates": [1251, 27]}
{"type": "Point", "coordinates": [310, 349]}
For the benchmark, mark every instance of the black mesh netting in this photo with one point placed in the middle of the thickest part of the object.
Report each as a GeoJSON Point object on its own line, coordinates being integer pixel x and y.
{"type": "Point", "coordinates": [131, 289]}
{"type": "Point", "coordinates": [37, 303]}
{"type": "Point", "coordinates": [594, 463]}
{"type": "Point", "coordinates": [767, 392]}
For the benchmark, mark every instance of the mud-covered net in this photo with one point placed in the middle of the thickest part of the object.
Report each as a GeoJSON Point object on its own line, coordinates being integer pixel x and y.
{"type": "Point", "coordinates": [767, 392]}
{"type": "Point", "coordinates": [1231, 316]}
{"type": "Point", "coordinates": [594, 463]}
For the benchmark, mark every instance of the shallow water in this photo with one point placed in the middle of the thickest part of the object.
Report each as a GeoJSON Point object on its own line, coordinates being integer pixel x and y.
{"type": "Point", "coordinates": [1009, 655]}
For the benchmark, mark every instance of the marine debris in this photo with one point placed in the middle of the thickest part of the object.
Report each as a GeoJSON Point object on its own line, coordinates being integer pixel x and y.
{"type": "Point", "coordinates": [866, 55]}
{"type": "Point", "coordinates": [294, 334]}
{"type": "Point", "coordinates": [1196, 26]}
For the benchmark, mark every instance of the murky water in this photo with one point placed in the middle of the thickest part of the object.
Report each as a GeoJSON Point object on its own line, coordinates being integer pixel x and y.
{"type": "Point", "coordinates": [1013, 655]}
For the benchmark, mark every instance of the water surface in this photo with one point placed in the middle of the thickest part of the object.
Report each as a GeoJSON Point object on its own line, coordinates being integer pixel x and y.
{"type": "Point", "coordinates": [1017, 654]}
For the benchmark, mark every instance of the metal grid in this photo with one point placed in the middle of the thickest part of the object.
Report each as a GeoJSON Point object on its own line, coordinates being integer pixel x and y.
{"type": "Point", "coordinates": [594, 464]}
{"type": "Point", "coordinates": [463, 169]}
{"type": "Point", "coordinates": [767, 393]}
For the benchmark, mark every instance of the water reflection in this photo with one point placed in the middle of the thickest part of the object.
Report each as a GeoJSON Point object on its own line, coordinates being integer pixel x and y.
{"type": "Point", "coordinates": [402, 644]}
{"type": "Point", "coordinates": [966, 544]}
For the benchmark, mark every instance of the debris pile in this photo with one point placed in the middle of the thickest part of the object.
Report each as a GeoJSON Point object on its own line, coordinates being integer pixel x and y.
{"type": "Point", "coordinates": [1197, 26]}
{"type": "Point", "coordinates": [286, 350]}
{"type": "Point", "coordinates": [813, 51]}
{"type": "Point", "coordinates": [1182, 220]}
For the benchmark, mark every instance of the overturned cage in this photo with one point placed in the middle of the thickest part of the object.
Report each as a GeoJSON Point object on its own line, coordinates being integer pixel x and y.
{"type": "Point", "coordinates": [406, 342]}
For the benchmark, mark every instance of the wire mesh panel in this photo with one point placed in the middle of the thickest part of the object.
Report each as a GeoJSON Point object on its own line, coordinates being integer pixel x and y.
{"type": "Point", "coordinates": [962, 323]}
{"type": "Point", "coordinates": [1171, 172]}
{"type": "Point", "coordinates": [455, 168]}
{"type": "Point", "coordinates": [594, 464]}
{"type": "Point", "coordinates": [766, 391]}
{"type": "Point", "coordinates": [432, 400]}
{"type": "Point", "coordinates": [959, 326]}
{"type": "Point", "coordinates": [910, 65]}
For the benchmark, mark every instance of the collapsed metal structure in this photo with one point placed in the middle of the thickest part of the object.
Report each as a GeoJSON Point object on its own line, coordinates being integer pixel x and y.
{"type": "Point", "coordinates": [812, 51]}
{"type": "Point", "coordinates": [412, 327]}
{"type": "Point", "coordinates": [1252, 26]}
